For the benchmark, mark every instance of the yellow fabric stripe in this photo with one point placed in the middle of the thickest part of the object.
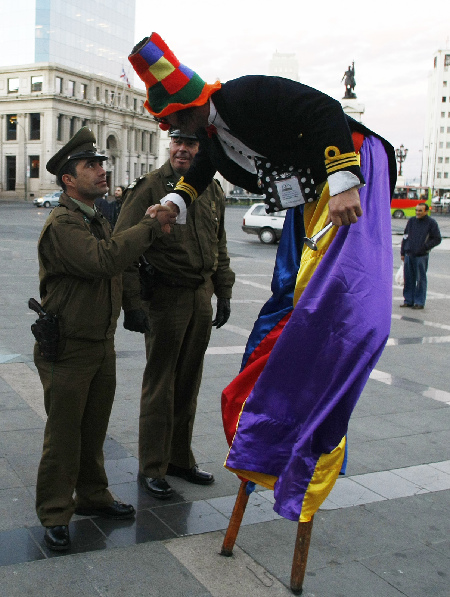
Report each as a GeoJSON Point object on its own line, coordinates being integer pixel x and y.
{"type": "Point", "coordinates": [314, 216]}
{"type": "Point", "coordinates": [187, 188]}
{"type": "Point", "coordinates": [267, 481]}
{"type": "Point", "coordinates": [322, 482]}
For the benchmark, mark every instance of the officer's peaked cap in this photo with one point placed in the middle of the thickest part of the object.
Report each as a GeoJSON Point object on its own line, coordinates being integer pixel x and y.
{"type": "Point", "coordinates": [81, 146]}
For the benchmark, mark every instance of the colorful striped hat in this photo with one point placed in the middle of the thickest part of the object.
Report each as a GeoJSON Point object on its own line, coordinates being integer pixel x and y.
{"type": "Point", "coordinates": [171, 86]}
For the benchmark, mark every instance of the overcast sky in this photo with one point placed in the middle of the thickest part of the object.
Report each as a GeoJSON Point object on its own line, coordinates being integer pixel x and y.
{"type": "Point", "coordinates": [392, 43]}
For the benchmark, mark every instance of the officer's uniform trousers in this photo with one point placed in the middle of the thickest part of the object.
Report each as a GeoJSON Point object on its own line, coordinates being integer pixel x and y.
{"type": "Point", "coordinates": [78, 392]}
{"type": "Point", "coordinates": [180, 328]}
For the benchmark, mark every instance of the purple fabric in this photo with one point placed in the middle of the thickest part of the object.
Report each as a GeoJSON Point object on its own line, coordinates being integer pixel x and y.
{"type": "Point", "coordinates": [303, 399]}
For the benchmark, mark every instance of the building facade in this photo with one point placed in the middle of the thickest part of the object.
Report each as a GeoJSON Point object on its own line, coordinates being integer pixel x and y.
{"type": "Point", "coordinates": [436, 151]}
{"type": "Point", "coordinates": [43, 105]}
{"type": "Point", "coordinates": [284, 65]}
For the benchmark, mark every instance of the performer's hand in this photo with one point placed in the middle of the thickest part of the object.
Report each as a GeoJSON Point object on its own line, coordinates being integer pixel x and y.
{"type": "Point", "coordinates": [345, 208]}
{"type": "Point", "coordinates": [164, 214]}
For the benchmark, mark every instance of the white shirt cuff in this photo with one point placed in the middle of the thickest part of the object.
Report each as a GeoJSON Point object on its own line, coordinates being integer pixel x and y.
{"type": "Point", "coordinates": [343, 181]}
{"type": "Point", "coordinates": [175, 198]}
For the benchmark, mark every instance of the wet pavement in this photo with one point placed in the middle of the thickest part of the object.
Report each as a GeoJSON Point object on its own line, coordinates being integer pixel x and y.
{"type": "Point", "coordinates": [384, 530]}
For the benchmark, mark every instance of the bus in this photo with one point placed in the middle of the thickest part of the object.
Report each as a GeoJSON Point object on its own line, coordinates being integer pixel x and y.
{"type": "Point", "coordinates": [405, 199]}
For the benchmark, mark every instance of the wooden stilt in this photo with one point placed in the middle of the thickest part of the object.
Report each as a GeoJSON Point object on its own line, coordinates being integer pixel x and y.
{"type": "Point", "coordinates": [300, 556]}
{"type": "Point", "coordinates": [235, 521]}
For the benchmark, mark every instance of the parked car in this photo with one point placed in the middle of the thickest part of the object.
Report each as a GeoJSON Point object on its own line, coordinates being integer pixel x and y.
{"type": "Point", "coordinates": [267, 226]}
{"type": "Point", "coordinates": [49, 200]}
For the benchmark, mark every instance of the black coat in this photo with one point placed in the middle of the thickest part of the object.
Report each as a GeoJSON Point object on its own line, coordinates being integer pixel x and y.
{"type": "Point", "coordinates": [287, 122]}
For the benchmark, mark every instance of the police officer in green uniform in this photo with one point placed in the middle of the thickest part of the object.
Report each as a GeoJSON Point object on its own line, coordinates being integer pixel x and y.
{"type": "Point", "coordinates": [186, 268]}
{"type": "Point", "coordinates": [80, 283]}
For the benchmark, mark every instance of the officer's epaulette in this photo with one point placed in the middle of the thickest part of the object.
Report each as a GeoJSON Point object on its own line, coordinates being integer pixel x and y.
{"type": "Point", "coordinates": [135, 183]}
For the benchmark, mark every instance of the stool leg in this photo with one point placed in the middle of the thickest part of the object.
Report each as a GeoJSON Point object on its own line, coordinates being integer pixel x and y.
{"type": "Point", "coordinates": [300, 556]}
{"type": "Point", "coordinates": [235, 520]}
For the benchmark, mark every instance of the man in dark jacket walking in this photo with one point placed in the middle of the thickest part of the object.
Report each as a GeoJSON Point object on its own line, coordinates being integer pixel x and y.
{"type": "Point", "coordinates": [420, 236]}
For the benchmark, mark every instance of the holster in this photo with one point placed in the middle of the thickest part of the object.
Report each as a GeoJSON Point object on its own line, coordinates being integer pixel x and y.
{"type": "Point", "coordinates": [46, 331]}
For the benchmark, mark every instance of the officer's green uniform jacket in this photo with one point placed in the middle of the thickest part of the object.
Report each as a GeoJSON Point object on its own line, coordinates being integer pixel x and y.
{"type": "Point", "coordinates": [195, 251]}
{"type": "Point", "coordinates": [80, 268]}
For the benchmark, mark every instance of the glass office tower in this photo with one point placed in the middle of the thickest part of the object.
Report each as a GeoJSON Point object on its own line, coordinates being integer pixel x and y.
{"type": "Point", "coordinates": [94, 36]}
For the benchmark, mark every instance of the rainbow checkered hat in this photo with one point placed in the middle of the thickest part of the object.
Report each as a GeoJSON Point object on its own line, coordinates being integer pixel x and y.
{"type": "Point", "coordinates": [171, 86]}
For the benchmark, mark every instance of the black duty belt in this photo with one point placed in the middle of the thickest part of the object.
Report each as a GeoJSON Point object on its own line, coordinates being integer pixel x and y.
{"type": "Point", "coordinates": [175, 282]}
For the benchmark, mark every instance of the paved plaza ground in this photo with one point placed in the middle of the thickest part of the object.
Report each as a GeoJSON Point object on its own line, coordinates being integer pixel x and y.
{"type": "Point", "coordinates": [383, 531]}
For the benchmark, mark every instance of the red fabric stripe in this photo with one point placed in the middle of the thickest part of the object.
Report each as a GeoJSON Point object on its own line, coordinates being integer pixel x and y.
{"type": "Point", "coordinates": [235, 394]}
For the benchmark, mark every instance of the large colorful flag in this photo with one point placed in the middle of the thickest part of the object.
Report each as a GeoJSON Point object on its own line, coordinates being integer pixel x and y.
{"type": "Point", "coordinates": [287, 412]}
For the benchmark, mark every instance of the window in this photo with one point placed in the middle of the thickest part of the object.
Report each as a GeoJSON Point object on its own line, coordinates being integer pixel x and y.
{"type": "Point", "coordinates": [447, 145]}
{"type": "Point", "coordinates": [444, 99]}
{"type": "Point", "coordinates": [11, 127]}
{"type": "Point", "coordinates": [72, 127]}
{"type": "Point", "coordinates": [151, 143]}
{"type": "Point", "coordinates": [142, 169]}
{"type": "Point", "coordinates": [448, 129]}
{"type": "Point", "coordinates": [442, 129]}
{"type": "Point", "coordinates": [135, 104]}
{"type": "Point", "coordinates": [97, 93]}
{"type": "Point", "coordinates": [13, 85]}
{"type": "Point", "coordinates": [10, 172]}
{"type": "Point", "coordinates": [444, 84]}
{"type": "Point", "coordinates": [127, 101]}
{"type": "Point", "coordinates": [136, 140]}
{"type": "Point", "coordinates": [446, 160]}
{"type": "Point", "coordinates": [112, 97]}
{"type": "Point", "coordinates": [441, 145]}
{"type": "Point", "coordinates": [36, 83]}
{"type": "Point", "coordinates": [106, 96]}
{"type": "Point", "coordinates": [35, 126]}
{"type": "Point", "coordinates": [438, 175]}
{"type": "Point", "coordinates": [445, 174]}
{"type": "Point", "coordinates": [34, 166]}
{"type": "Point", "coordinates": [442, 114]}
{"type": "Point", "coordinates": [71, 88]}
{"type": "Point", "coordinates": [83, 90]}
{"type": "Point", "coordinates": [135, 170]}
{"type": "Point", "coordinates": [58, 85]}
{"type": "Point", "coordinates": [447, 60]}
{"type": "Point", "coordinates": [439, 160]}
{"type": "Point", "coordinates": [143, 141]}
{"type": "Point", "coordinates": [59, 128]}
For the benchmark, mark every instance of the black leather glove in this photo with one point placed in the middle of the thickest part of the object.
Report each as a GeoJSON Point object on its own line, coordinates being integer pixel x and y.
{"type": "Point", "coordinates": [222, 313]}
{"type": "Point", "coordinates": [136, 321]}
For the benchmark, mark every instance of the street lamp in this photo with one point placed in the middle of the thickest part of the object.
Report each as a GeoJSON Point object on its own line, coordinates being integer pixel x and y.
{"type": "Point", "coordinates": [400, 156]}
{"type": "Point", "coordinates": [14, 120]}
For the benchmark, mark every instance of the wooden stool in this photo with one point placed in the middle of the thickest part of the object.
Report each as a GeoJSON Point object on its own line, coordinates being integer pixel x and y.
{"type": "Point", "coordinates": [301, 543]}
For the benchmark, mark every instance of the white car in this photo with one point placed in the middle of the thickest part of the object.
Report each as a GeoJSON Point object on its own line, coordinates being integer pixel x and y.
{"type": "Point", "coordinates": [49, 200]}
{"type": "Point", "coordinates": [267, 226]}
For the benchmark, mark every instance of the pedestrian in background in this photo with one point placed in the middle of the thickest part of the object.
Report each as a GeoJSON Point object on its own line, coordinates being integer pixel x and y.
{"type": "Point", "coordinates": [111, 209]}
{"type": "Point", "coordinates": [420, 236]}
{"type": "Point", "coordinates": [185, 269]}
